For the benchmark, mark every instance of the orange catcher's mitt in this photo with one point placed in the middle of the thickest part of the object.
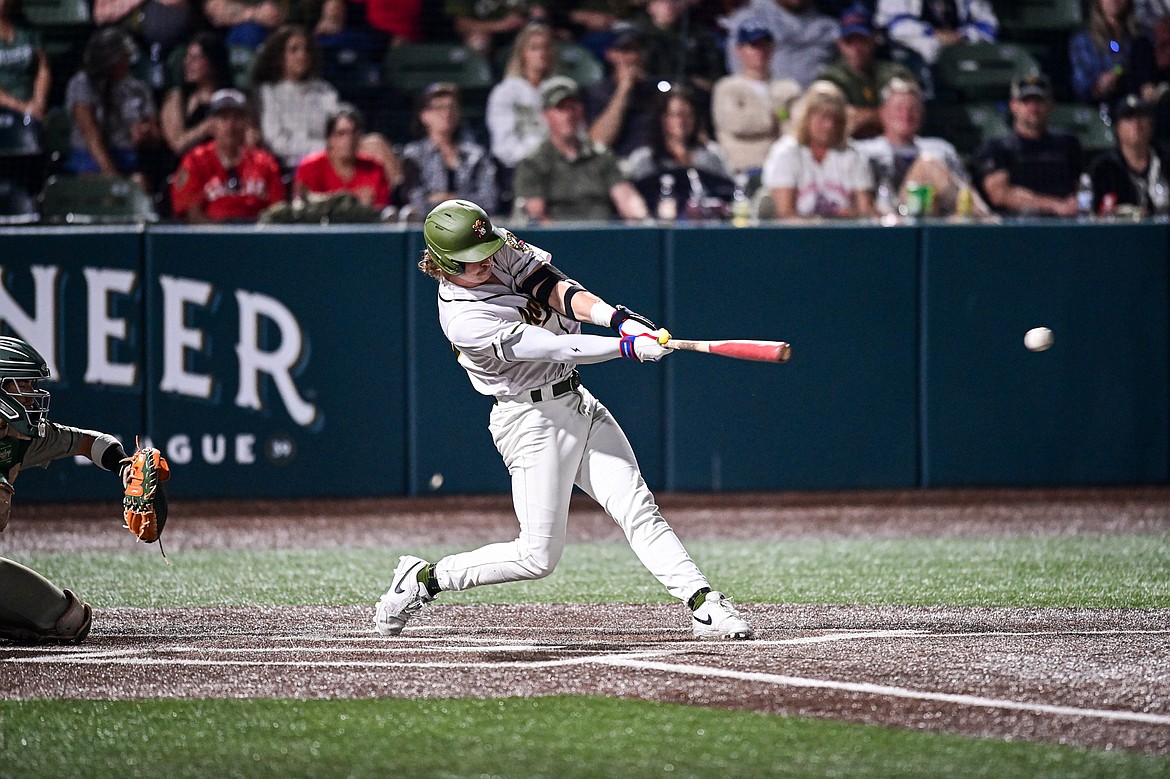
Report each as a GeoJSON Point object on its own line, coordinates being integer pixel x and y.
{"type": "Point", "coordinates": [144, 507]}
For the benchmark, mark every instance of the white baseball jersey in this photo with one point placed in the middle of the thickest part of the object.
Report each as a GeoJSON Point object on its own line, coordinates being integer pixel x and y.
{"type": "Point", "coordinates": [484, 323]}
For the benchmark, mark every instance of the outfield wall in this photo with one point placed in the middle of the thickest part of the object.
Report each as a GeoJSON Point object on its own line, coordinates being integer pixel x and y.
{"type": "Point", "coordinates": [297, 361]}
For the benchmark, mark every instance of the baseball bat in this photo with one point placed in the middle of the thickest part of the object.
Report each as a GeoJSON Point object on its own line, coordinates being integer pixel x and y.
{"type": "Point", "coordinates": [759, 351]}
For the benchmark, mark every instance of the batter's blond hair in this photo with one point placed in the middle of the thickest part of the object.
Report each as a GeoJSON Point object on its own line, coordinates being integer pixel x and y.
{"type": "Point", "coordinates": [428, 266]}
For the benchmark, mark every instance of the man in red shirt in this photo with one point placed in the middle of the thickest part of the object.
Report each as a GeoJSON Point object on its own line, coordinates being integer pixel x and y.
{"type": "Point", "coordinates": [340, 166]}
{"type": "Point", "coordinates": [225, 179]}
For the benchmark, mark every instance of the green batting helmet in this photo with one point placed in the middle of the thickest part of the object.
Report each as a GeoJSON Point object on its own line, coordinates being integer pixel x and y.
{"type": "Point", "coordinates": [22, 407]}
{"type": "Point", "coordinates": [459, 231]}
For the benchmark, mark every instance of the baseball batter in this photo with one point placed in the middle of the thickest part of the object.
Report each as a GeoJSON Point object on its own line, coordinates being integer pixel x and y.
{"type": "Point", "coordinates": [515, 321]}
{"type": "Point", "coordinates": [33, 610]}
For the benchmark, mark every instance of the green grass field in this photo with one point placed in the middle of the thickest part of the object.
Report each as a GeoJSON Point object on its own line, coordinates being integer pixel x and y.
{"type": "Point", "coordinates": [566, 736]}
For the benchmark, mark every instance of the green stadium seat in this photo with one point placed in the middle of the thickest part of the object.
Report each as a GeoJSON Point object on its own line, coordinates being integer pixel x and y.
{"type": "Point", "coordinates": [18, 137]}
{"type": "Point", "coordinates": [95, 199]}
{"type": "Point", "coordinates": [1019, 17]}
{"type": "Point", "coordinates": [44, 13]}
{"type": "Point", "coordinates": [410, 67]}
{"type": "Point", "coordinates": [980, 71]}
{"type": "Point", "coordinates": [1085, 122]}
{"type": "Point", "coordinates": [17, 206]}
{"type": "Point", "coordinates": [965, 126]}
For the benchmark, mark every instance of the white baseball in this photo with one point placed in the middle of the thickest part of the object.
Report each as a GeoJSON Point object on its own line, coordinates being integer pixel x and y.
{"type": "Point", "coordinates": [1038, 339]}
{"type": "Point", "coordinates": [436, 481]}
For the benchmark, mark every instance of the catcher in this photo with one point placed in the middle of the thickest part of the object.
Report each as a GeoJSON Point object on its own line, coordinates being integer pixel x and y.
{"type": "Point", "coordinates": [33, 610]}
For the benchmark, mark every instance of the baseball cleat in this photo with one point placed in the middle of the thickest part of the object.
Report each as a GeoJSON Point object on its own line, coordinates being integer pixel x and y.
{"type": "Point", "coordinates": [717, 618]}
{"type": "Point", "coordinates": [405, 598]}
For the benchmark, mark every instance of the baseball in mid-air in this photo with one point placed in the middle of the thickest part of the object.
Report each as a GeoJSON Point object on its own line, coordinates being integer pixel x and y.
{"type": "Point", "coordinates": [1038, 339]}
{"type": "Point", "coordinates": [436, 481]}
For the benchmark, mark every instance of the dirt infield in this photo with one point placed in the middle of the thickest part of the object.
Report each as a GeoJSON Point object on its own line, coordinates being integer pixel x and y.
{"type": "Point", "coordinates": [1090, 677]}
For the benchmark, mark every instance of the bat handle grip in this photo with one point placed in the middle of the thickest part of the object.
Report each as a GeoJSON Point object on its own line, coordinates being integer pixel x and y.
{"type": "Point", "coordinates": [663, 336]}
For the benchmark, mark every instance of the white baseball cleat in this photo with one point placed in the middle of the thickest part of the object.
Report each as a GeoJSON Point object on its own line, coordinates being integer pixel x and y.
{"type": "Point", "coordinates": [405, 598]}
{"type": "Point", "coordinates": [717, 618]}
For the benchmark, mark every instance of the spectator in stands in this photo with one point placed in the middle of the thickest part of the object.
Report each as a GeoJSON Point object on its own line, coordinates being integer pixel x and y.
{"type": "Point", "coordinates": [24, 69]}
{"type": "Point", "coordinates": [1135, 175]}
{"type": "Point", "coordinates": [620, 107]}
{"type": "Point", "coordinates": [679, 144]}
{"type": "Point", "coordinates": [342, 167]}
{"type": "Point", "coordinates": [245, 23]}
{"type": "Point", "coordinates": [444, 163]}
{"type": "Point", "coordinates": [514, 118]}
{"type": "Point", "coordinates": [485, 25]}
{"type": "Point", "coordinates": [1031, 170]}
{"type": "Point", "coordinates": [115, 121]}
{"type": "Point", "coordinates": [750, 109]}
{"type": "Point", "coordinates": [925, 27]}
{"type": "Point", "coordinates": [1109, 57]}
{"type": "Point", "coordinates": [676, 50]}
{"type": "Point", "coordinates": [592, 23]}
{"type": "Point", "coordinates": [860, 74]}
{"type": "Point", "coordinates": [186, 110]}
{"type": "Point", "coordinates": [225, 179]}
{"type": "Point", "coordinates": [815, 171]}
{"type": "Point", "coordinates": [397, 19]}
{"type": "Point", "coordinates": [158, 25]}
{"type": "Point", "coordinates": [570, 176]}
{"type": "Point", "coordinates": [293, 99]}
{"type": "Point", "coordinates": [803, 38]}
{"type": "Point", "coordinates": [900, 155]}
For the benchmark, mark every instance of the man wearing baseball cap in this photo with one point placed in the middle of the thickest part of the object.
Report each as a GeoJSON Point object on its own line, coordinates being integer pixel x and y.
{"type": "Point", "coordinates": [1030, 171]}
{"type": "Point", "coordinates": [568, 176]}
{"type": "Point", "coordinates": [803, 36]}
{"type": "Point", "coordinates": [224, 179]}
{"type": "Point", "coordinates": [1134, 174]}
{"type": "Point", "coordinates": [619, 107]}
{"type": "Point", "coordinates": [859, 73]}
{"type": "Point", "coordinates": [750, 109]}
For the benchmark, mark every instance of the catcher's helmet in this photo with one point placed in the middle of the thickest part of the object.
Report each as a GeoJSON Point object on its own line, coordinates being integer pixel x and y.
{"type": "Point", "coordinates": [23, 404]}
{"type": "Point", "coordinates": [459, 231]}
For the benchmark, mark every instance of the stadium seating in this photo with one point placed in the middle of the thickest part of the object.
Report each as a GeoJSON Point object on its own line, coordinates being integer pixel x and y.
{"type": "Point", "coordinates": [1017, 18]}
{"type": "Point", "coordinates": [966, 125]}
{"type": "Point", "coordinates": [17, 206]}
{"type": "Point", "coordinates": [95, 199]}
{"type": "Point", "coordinates": [46, 13]}
{"type": "Point", "coordinates": [18, 136]}
{"type": "Point", "coordinates": [412, 66]}
{"type": "Point", "coordinates": [1093, 130]}
{"type": "Point", "coordinates": [573, 60]}
{"type": "Point", "coordinates": [980, 71]}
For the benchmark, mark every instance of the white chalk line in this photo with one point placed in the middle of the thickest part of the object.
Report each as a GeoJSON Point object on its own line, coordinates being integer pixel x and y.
{"type": "Point", "coordinates": [886, 690]}
{"type": "Point", "coordinates": [636, 660]}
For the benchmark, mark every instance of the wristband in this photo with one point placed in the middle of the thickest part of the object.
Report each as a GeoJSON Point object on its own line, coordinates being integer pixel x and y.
{"type": "Point", "coordinates": [601, 313]}
{"type": "Point", "coordinates": [627, 347]}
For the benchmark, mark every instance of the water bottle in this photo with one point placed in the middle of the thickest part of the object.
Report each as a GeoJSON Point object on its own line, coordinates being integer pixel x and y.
{"type": "Point", "coordinates": [741, 207]}
{"type": "Point", "coordinates": [1085, 197]}
{"type": "Point", "coordinates": [1160, 198]}
{"type": "Point", "coordinates": [694, 208]}
{"type": "Point", "coordinates": [667, 207]}
{"type": "Point", "coordinates": [884, 201]}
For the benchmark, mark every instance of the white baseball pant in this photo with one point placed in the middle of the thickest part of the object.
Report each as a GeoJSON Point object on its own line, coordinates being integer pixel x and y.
{"type": "Point", "coordinates": [548, 447]}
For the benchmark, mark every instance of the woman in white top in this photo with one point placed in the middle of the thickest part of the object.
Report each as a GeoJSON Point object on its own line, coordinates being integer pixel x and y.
{"type": "Point", "coordinates": [815, 171]}
{"type": "Point", "coordinates": [514, 116]}
{"type": "Point", "coordinates": [292, 97]}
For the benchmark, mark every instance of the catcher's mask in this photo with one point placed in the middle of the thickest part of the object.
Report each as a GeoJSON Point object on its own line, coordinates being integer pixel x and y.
{"type": "Point", "coordinates": [459, 232]}
{"type": "Point", "coordinates": [23, 404]}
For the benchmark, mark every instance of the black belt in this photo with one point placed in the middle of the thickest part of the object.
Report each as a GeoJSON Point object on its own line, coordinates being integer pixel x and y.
{"type": "Point", "coordinates": [562, 387]}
